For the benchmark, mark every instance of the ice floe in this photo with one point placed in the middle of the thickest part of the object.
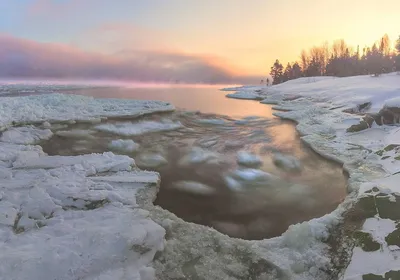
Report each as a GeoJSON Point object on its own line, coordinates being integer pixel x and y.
{"type": "Point", "coordinates": [25, 135]}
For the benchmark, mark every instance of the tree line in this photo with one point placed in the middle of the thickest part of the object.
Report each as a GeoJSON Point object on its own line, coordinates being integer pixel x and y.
{"type": "Point", "coordinates": [341, 60]}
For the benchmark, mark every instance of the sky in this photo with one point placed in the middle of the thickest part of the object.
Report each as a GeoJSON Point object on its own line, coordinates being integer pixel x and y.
{"type": "Point", "coordinates": [204, 41]}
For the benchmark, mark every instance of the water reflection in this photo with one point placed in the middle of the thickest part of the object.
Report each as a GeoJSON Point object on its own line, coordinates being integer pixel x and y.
{"type": "Point", "coordinates": [205, 100]}
{"type": "Point", "coordinates": [261, 208]}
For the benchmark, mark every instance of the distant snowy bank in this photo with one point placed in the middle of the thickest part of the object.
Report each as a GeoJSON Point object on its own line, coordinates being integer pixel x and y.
{"type": "Point", "coordinates": [68, 107]}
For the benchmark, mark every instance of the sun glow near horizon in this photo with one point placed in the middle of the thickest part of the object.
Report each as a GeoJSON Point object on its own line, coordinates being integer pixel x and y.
{"type": "Point", "coordinates": [233, 36]}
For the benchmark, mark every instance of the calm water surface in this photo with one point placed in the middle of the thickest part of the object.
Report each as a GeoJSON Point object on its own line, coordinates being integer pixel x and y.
{"type": "Point", "coordinates": [260, 209]}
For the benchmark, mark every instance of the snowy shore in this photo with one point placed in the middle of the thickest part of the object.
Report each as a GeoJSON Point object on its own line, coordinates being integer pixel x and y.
{"type": "Point", "coordinates": [370, 155]}
{"type": "Point", "coordinates": [92, 216]}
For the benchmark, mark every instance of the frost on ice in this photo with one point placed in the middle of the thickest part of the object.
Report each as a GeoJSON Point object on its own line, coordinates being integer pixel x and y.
{"type": "Point", "coordinates": [63, 224]}
{"type": "Point", "coordinates": [65, 107]}
{"type": "Point", "coordinates": [194, 187]}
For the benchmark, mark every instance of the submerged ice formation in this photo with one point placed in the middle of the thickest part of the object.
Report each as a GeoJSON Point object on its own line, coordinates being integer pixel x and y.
{"type": "Point", "coordinates": [248, 160]}
{"type": "Point", "coordinates": [142, 127]}
{"type": "Point", "coordinates": [75, 133]}
{"type": "Point", "coordinates": [124, 145]}
{"type": "Point", "coordinates": [151, 160]}
{"type": "Point", "coordinates": [286, 162]}
{"type": "Point", "coordinates": [243, 178]}
{"type": "Point", "coordinates": [198, 155]}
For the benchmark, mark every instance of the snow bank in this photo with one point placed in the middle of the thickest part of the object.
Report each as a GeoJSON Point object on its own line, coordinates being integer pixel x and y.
{"type": "Point", "coordinates": [139, 128]}
{"type": "Point", "coordinates": [92, 163]}
{"type": "Point", "coordinates": [63, 107]}
{"type": "Point", "coordinates": [62, 224]}
{"type": "Point", "coordinates": [249, 95]}
{"type": "Point", "coordinates": [348, 92]}
{"type": "Point", "coordinates": [124, 145]}
{"type": "Point", "coordinates": [317, 105]}
{"type": "Point", "coordinates": [25, 135]}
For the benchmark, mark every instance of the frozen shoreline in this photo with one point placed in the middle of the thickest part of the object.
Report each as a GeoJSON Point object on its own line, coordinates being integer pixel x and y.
{"type": "Point", "coordinates": [369, 156]}
{"type": "Point", "coordinates": [101, 183]}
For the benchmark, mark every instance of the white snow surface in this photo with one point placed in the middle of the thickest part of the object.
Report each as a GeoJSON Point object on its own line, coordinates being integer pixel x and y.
{"type": "Point", "coordinates": [72, 217]}
{"type": "Point", "coordinates": [58, 223]}
{"type": "Point", "coordinates": [347, 92]}
{"type": "Point", "coordinates": [139, 128]}
{"type": "Point", "coordinates": [376, 262]}
{"type": "Point", "coordinates": [25, 135]}
{"type": "Point", "coordinates": [63, 107]}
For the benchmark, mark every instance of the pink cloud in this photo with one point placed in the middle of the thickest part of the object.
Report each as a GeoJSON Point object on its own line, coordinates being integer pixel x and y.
{"type": "Point", "coordinates": [118, 36]}
{"type": "Point", "coordinates": [22, 58]}
{"type": "Point", "coordinates": [56, 9]}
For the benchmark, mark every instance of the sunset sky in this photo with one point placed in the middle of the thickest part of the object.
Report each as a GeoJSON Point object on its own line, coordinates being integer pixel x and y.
{"type": "Point", "coordinates": [193, 40]}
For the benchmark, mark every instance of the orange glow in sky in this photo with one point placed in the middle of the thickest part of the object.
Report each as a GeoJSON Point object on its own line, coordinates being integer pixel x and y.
{"type": "Point", "coordinates": [242, 36]}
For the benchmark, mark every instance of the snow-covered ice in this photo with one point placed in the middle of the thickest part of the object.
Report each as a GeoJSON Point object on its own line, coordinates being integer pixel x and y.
{"type": "Point", "coordinates": [370, 157]}
{"type": "Point", "coordinates": [61, 224]}
{"type": "Point", "coordinates": [65, 107]}
{"type": "Point", "coordinates": [252, 95]}
{"type": "Point", "coordinates": [25, 135]}
{"type": "Point", "coordinates": [92, 217]}
{"type": "Point", "coordinates": [92, 163]}
{"type": "Point", "coordinates": [138, 128]}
